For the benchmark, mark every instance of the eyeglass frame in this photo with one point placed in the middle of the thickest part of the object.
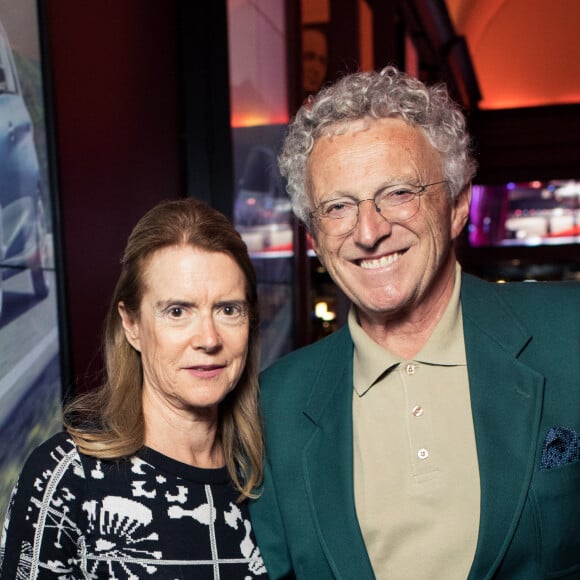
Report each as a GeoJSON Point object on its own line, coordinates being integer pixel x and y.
{"type": "Point", "coordinates": [313, 215]}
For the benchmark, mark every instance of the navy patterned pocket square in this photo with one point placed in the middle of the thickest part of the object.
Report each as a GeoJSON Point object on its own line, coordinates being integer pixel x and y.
{"type": "Point", "coordinates": [561, 447]}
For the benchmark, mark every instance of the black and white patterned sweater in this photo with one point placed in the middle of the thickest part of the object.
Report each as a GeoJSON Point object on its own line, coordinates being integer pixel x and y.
{"type": "Point", "coordinates": [72, 516]}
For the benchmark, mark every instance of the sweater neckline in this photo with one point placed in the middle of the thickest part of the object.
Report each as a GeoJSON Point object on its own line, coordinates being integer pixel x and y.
{"type": "Point", "coordinates": [172, 466]}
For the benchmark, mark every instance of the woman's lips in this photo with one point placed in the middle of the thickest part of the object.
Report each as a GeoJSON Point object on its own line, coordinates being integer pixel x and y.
{"type": "Point", "coordinates": [205, 371]}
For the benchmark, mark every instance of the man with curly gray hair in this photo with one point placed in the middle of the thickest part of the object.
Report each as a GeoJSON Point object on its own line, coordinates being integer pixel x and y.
{"type": "Point", "coordinates": [436, 434]}
{"type": "Point", "coordinates": [388, 94]}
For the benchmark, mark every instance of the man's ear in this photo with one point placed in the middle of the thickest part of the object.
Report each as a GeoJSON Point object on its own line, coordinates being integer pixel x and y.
{"type": "Point", "coordinates": [315, 246]}
{"type": "Point", "coordinates": [460, 211]}
{"type": "Point", "coordinates": [313, 242]}
{"type": "Point", "coordinates": [130, 326]}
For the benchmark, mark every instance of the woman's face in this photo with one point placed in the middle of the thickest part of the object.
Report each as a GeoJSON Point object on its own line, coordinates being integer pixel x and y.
{"type": "Point", "coordinates": [192, 330]}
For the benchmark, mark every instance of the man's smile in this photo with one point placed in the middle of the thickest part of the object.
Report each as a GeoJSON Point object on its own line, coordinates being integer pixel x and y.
{"type": "Point", "coordinates": [382, 262]}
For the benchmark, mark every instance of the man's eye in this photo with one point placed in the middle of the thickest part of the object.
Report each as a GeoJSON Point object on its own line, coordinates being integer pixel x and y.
{"type": "Point", "coordinates": [337, 207]}
{"type": "Point", "coordinates": [399, 195]}
{"type": "Point", "coordinates": [401, 191]}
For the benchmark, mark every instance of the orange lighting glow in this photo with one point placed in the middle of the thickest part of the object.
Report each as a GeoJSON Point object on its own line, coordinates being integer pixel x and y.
{"type": "Point", "coordinates": [258, 119]}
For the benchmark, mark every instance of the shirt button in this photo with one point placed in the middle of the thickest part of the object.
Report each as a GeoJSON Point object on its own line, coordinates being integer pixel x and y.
{"type": "Point", "coordinates": [417, 411]}
{"type": "Point", "coordinates": [422, 454]}
{"type": "Point", "coordinates": [411, 369]}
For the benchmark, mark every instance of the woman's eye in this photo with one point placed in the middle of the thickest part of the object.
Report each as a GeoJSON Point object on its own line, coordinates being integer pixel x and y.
{"type": "Point", "coordinates": [176, 311]}
{"type": "Point", "coordinates": [231, 310]}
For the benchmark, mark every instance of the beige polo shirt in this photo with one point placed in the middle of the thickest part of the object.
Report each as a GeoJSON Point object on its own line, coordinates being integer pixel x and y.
{"type": "Point", "coordinates": [416, 474]}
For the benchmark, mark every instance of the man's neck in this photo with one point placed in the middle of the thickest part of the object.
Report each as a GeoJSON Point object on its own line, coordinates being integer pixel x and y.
{"type": "Point", "coordinates": [406, 332]}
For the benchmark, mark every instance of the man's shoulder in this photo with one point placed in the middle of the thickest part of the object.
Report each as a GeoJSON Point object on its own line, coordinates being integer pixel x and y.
{"type": "Point", "coordinates": [528, 298]}
{"type": "Point", "coordinates": [547, 311]}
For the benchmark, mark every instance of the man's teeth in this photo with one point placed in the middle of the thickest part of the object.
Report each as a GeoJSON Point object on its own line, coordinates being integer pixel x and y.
{"type": "Point", "coordinates": [380, 262]}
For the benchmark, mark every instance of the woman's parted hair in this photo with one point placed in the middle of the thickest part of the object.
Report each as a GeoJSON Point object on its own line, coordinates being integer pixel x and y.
{"type": "Point", "coordinates": [119, 431]}
{"type": "Point", "coordinates": [376, 95]}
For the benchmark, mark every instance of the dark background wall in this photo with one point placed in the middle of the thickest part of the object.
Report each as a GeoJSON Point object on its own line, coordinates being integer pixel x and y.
{"type": "Point", "coordinates": [116, 101]}
{"type": "Point", "coordinates": [128, 133]}
{"type": "Point", "coordinates": [529, 143]}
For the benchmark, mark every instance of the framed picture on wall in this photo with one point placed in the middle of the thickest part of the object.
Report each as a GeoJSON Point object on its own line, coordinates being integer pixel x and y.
{"type": "Point", "coordinates": [32, 362]}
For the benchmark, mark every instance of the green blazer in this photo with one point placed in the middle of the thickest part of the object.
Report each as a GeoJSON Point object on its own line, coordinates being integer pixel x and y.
{"type": "Point", "coordinates": [523, 356]}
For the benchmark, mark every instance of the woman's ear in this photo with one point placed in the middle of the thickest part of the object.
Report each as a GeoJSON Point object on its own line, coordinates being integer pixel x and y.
{"type": "Point", "coordinates": [130, 326]}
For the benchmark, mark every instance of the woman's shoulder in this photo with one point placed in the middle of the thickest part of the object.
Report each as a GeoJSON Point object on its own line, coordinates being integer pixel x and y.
{"type": "Point", "coordinates": [56, 454]}
{"type": "Point", "coordinates": [57, 446]}
{"type": "Point", "coordinates": [51, 467]}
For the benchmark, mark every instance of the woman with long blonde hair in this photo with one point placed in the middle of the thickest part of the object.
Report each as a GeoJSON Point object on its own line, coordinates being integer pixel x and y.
{"type": "Point", "coordinates": [151, 476]}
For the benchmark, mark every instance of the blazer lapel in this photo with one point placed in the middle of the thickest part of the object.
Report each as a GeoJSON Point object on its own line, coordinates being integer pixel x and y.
{"type": "Point", "coordinates": [328, 464]}
{"type": "Point", "coordinates": [506, 400]}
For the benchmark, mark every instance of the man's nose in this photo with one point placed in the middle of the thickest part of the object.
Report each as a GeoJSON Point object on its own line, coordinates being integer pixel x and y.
{"type": "Point", "coordinates": [371, 225]}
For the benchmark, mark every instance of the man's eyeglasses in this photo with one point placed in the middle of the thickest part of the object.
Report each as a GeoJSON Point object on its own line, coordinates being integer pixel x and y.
{"type": "Point", "coordinates": [396, 203]}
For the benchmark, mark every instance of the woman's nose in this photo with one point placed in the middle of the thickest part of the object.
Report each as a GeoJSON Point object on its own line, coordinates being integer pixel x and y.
{"type": "Point", "coordinates": [206, 335]}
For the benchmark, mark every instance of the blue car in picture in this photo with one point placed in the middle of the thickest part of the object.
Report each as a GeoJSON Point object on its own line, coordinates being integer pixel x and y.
{"type": "Point", "coordinates": [23, 226]}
